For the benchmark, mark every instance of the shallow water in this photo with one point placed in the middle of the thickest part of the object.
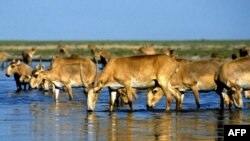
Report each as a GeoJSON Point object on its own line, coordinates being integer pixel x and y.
{"type": "Point", "coordinates": [33, 115]}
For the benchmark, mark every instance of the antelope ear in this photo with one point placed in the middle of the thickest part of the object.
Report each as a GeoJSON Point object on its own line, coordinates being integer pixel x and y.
{"type": "Point", "coordinates": [43, 67]}
{"type": "Point", "coordinates": [233, 89]}
{"type": "Point", "coordinates": [86, 89]}
{"type": "Point", "coordinates": [96, 90]}
{"type": "Point", "coordinates": [154, 91]}
{"type": "Point", "coordinates": [101, 83]}
{"type": "Point", "coordinates": [241, 89]}
{"type": "Point", "coordinates": [18, 62]}
{"type": "Point", "coordinates": [28, 76]}
{"type": "Point", "coordinates": [37, 66]}
{"type": "Point", "coordinates": [227, 83]}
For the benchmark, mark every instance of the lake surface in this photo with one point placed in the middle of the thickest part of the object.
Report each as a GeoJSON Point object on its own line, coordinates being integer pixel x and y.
{"type": "Point", "coordinates": [33, 115]}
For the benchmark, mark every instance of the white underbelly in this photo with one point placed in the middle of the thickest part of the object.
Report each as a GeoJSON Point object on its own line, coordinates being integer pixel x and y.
{"type": "Point", "coordinates": [134, 84]}
{"type": "Point", "coordinates": [75, 84]}
{"type": "Point", "coordinates": [58, 84]}
{"type": "Point", "coordinates": [142, 85]}
{"type": "Point", "coordinates": [245, 85]}
{"type": "Point", "coordinates": [72, 84]}
{"type": "Point", "coordinates": [115, 85]}
{"type": "Point", "coordinates": [183, 89]}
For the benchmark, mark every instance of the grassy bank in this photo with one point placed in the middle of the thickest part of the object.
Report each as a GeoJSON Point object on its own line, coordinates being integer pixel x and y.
{"type": "Point", "coordinates": [189, 48]}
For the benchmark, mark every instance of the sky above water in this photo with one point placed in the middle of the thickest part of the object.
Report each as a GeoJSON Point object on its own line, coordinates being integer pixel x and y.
{"type": "Point", "coordinates": [124, 19]}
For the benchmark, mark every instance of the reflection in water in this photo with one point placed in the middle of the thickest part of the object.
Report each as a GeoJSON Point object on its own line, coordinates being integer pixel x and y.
{"type": "Point", "coordinates": [57, 121]}
{"type": "Point", "coordinates": [220, 125]}
{"type": "Point", "coordinates": [162, 127]}
{"type": "Point", "coordinates": [190, 125]}
{"type": "Point", "coordinates": [69, 121]}
{"type": "Point", "coordinates": [92, 127]}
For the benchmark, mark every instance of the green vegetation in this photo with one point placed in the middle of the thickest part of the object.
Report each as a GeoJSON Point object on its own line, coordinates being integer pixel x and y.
{"type": "Point", "coordinates": [188, 48]}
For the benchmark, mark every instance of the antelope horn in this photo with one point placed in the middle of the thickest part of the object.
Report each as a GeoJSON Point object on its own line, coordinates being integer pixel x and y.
{"type": "Point", "coordinates": [96, 62]}
{"type": "Point", "coordinates": [81, 75]}
{"type": "Point", "coordinates": [40, 60]}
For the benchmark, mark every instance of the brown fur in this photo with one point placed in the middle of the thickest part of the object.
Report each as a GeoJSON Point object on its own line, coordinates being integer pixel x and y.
{"type": "Point", "coordinates": [196, 76]}
{"type": "Point", "coordinates": [147, 50]}
{"type": "Point", "coordinates": [243, 53]}
{"type": "Point", "coordinates": [103, 55]}
{"type": "Point", "coordinates": [63, 50]}
{"type": "Point", "coordinates": [216, 55]}
{"type": "Point", "coordinates": [4, 56]}
{"type": "Point", "coordinates": [68, 72]}
{"type": "Point", "coordinates": [28, 54]}
{"type": "Point", "coordinates": [100, 54]}
{"type": "Point", "coordinates": [234, 76]}
{"type": "Point", "coordinates": [168, 51]}
{"type": "Point", "coordinates": [130, 71]}
{"type": "Point", "coordinates": [19, 70]}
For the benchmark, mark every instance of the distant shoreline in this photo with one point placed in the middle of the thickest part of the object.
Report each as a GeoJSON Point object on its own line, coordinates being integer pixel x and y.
{"type": "Point", "coordinates": [128, 42]}
{"type": "Point", "coordinates": [183, 48]}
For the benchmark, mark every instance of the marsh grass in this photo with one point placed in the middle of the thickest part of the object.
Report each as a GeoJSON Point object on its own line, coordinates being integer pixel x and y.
{"type": "Point", "coordinates": [201, 48]}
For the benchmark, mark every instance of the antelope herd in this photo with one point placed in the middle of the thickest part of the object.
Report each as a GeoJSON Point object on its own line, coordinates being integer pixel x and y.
{"type": "Point", "coordinates": [159, 74]}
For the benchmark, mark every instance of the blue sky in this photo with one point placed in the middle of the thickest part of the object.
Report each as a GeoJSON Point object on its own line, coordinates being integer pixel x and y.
{"type": "Point", "coordinates": [124, 19]}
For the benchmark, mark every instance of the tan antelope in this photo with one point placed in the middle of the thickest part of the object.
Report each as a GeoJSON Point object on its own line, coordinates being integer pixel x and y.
{"type": "Point", "coordinates": [216, 55]}
{"type": "Point", "coordinates": [195, 75]}
{"type": "Point", "coordinates": [100, 54]}
{"type": "Point", "coordinates": [235, 77]}
{"type": "Point", "coordinates": [104, 56]}
{"type": "Point", "coordinates": [136, 72]}
{"type": "Point", "coordinates": [69, 72]}
{"type": "Point", "coordinates": [19, 70]}
{"type": "Point", "coordinates": [168, 51]}
{"type": "Point", "coordinates": [92, 47]}
{"type": "Point", "coordinates": [147, 49]}
{"type": "Point", "coordinates": [28, 55]}
{"type": "Point", "coordinates": [4, 56]}
{"type": "Point", "coordinates": [45, 85]}
{"type": "Point", "coordinates": [244, 52]}
{"type": "Point", "coordinates": [63, 50]}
